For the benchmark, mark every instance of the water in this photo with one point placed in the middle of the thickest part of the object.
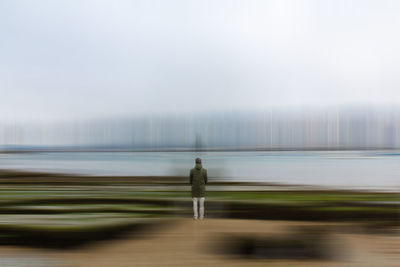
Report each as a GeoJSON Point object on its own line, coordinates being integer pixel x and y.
{"type": "Point", "coordinates": [350, 169]}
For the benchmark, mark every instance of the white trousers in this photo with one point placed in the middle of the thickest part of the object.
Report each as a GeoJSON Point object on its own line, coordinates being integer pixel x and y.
{"type": "Point", "coordinates": [195, 207]}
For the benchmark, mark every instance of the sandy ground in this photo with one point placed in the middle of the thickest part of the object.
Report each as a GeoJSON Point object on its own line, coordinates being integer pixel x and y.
{"type": "Point", "coordinates": [185, 242]}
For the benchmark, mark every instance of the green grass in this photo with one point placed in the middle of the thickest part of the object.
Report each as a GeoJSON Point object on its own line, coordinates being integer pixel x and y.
{"type": "Point", "coordinates": [356, 209]}
{"type": "Point", "coordinates": [303, 196]}
{"type": "Point", "coordinates": [27, 210]}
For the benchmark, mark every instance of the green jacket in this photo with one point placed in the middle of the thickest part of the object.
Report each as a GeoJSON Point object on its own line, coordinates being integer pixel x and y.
{"type": "Point", "coordinates": [198, 180]}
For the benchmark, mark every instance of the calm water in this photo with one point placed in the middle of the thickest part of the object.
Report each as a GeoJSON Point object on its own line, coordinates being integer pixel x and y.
{"type": "Point", "coordinates": [366, 169]}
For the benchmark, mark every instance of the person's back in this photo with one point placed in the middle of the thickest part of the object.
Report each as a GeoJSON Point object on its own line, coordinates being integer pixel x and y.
{"type": "Point", "coordinates": [198, 180]}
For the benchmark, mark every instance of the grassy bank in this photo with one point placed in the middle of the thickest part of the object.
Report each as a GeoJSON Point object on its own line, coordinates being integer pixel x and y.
{"type": "Point", "coordinates": [54, 210]}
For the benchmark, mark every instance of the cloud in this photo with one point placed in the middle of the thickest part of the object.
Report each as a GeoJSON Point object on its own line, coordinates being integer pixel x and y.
{"type": "Point", "coordinates": [69, 59]}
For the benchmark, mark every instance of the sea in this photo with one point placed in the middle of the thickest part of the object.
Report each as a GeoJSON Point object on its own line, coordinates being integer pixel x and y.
{"type": "Point", "coordinates": [341, 169]}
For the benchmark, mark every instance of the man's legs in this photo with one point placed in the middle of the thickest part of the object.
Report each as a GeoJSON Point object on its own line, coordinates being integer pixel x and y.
{"type": "Point", "coordinates": [195, 216]}
{"type": "Point", "coordinates": [202, 208]}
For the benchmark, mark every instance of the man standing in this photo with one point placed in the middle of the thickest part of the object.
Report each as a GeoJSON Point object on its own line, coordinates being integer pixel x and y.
{"type": "Point", "coordinates": [198, 180]}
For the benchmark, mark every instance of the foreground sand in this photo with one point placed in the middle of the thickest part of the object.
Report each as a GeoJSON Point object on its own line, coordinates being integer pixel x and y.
{"type": "Point", "coordinates": [185, 242]}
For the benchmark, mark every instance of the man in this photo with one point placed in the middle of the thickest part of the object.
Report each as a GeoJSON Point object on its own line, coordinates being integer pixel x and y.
{"type": "Point", "coordinates": [198, 180]}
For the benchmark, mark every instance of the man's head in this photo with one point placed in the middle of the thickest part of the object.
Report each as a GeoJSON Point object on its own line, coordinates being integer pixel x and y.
{"type": "Point", "coordinates": [198, 161]}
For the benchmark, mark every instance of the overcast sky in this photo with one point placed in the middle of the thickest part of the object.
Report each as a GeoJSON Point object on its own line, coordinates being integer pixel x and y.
{"type": "Point", "coordinates": [90, 58]}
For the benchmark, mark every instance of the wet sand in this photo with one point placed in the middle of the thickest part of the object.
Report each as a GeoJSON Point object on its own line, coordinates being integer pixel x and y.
{"type": "Point", "coordinates": [185, 242]}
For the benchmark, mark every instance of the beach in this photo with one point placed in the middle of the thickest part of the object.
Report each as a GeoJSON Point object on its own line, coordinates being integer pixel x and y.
{"type": "Point", "coordinates": [53, 219]}
{"type": "Point", "coordinates": [191, 243]}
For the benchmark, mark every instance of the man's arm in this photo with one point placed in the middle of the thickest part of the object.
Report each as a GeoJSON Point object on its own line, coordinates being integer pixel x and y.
{"type": "Point", "coordinates": [205, 176]}
{"type": "Point", "coordinates": [191, 177]}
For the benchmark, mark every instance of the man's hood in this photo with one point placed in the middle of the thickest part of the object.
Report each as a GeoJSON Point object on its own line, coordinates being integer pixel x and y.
{"type": "Point", "coordinates": [198, 166]}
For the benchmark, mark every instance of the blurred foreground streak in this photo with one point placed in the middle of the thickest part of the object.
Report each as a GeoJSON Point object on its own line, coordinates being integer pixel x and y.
{"type": "Point", "coordinates": [65, 220]}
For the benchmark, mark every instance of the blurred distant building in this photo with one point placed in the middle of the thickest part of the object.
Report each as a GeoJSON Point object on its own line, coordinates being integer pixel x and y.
{"type": "Point", "coordinates": [276, 129]}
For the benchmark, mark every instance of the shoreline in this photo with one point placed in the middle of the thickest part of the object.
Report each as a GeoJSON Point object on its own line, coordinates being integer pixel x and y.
{"type": "Point", "coordinates": [11, 176]}
{"type": "Point", "coordinates": [44, 212]}
{"type": "Point", "coordinates": [246, 149]}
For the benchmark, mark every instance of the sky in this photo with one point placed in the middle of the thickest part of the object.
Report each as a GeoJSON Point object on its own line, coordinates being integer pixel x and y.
{"type": "Point", "coordinates": [77, 59]}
